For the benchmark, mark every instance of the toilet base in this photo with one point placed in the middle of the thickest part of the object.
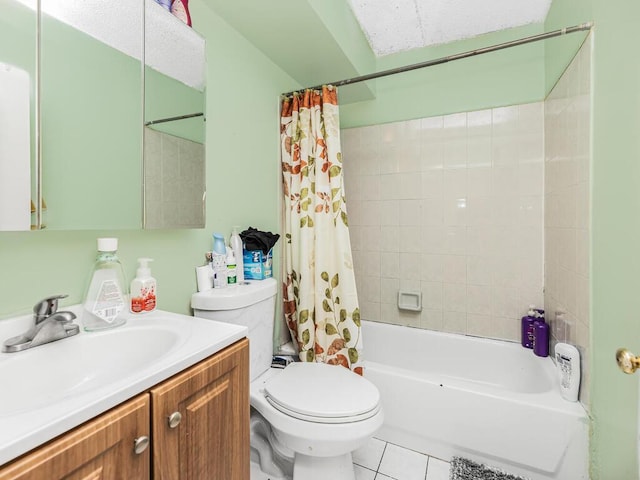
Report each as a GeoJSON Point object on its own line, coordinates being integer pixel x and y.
{"type": "Point", "coordinates": [323, 468]}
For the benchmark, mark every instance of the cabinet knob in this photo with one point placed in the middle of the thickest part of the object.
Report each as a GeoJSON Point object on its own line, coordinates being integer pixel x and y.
{"type": "Point", "coordinates": [174, 419]}
{"type": "Point", "coordinates": [140, 444]}
{"type": "Point", "coordinates": [627, 361]}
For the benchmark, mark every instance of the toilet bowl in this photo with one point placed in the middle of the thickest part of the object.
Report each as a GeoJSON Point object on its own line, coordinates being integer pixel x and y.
{"type": "Point", "coordinates": [311, 415]}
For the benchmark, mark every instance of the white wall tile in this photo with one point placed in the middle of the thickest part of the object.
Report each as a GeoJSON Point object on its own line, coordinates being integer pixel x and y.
{"type": "Point", "coordinates": [432, 295]}
{"type": "Point", "coordinates": [455, 183]}
{"type": "Point", "coordinates": [454, 269]}
{"type": "Point", "coordinates": [389, 212]}
{"type": "Point", "coordinates": [389, 239]}
{"type": "Point", "coordinates": [410, 213]}
{"type": "Point", "coordinates": [433, 240]}
{"type": "Point", "coordinates": [479, 152]}
{"type": "Point", "coordinates": [390, 265]}
{"type": "Point", "coordinates": [389, 313]}
{"type": "Point", "coordinates": [479, 181]}
{"type": "Point", "coordinates": [479, 299]}
{"type": "Point", "coordinates": [454, 153]}
{"type": "Point", "coordinates": [410, 264]}
{"type": "Point", "coordinates": [454, 297]}
{"type": "Point", "coordinates": [410, 186]}
{"type": "Point", "coordinates": [479, 211]}
{"type": "Point", "coordinates": [479, 270]}
{"type": "Point", "coordinates": [457, 213]}
{"type": "Point", "coordinates": [431, 319]}
{"type": "Point", "coordinates": [411, 239]}
{"type": "Point", "coordinates": [432, 211]}
{"type": "Point", "coordinates": [432, 184]}
{"type": "Point", "coordinates": [389, 290]}
{"type": "Point", "coordinates": [389, 186]}
{"type": "Point", "coordinates": [454, 322]}
{"type": "Point", "coordinates": [455, 240]}
{"type": "Point", "coordinates": [432, 155]}
{"type": "Point", "coordinates": [432, 268]}
{"type": "Point", "coordinates": [531, 178]}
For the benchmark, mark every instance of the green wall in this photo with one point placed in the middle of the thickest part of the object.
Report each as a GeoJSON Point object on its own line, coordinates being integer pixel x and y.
{"type": "Point", "coordinates": [506, 77]}
{"type": "Point", "coordinates": [243, 183]}
{"type": "Point", "coordinates": [242, 178]}
{"type": "Point", "coordinates": [615, 263]}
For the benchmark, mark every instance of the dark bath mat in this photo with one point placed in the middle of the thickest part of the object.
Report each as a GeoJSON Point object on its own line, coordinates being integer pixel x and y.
{"type": "Point", "coordinates": [463, 469]}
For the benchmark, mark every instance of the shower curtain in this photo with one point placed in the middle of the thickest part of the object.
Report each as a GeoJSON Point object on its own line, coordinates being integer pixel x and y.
{"type": "Point", "coordinates": [319, 289]}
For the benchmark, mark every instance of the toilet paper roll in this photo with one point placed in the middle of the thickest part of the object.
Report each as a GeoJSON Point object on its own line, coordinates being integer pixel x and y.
{"type": "Point", "coordinates": [204, 278]}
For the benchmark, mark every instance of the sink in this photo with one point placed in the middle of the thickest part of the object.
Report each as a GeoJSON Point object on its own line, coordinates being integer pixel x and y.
{"type": "Point", "coordinates": [37, 377]}
{"type": "Point", "coordinates": [52, 388]}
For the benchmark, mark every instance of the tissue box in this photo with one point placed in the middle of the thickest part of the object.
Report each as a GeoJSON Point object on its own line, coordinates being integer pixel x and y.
{"type": "Point", "coordinates": [257, 265]}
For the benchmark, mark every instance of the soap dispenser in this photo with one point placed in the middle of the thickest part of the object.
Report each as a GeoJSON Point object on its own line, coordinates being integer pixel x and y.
{"type": "Point", "coordinates": [143, 288]}
{"type": "Point", "coordinates": [105, 299]}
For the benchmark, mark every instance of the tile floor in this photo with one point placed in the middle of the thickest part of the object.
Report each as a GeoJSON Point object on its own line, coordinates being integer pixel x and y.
{"type": "Point", "coordinates": [380, 460]}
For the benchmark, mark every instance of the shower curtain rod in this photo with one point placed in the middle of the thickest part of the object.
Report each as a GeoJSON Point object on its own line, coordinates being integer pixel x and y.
{"type": "Point", "coordinates": [457, 56]}
{"type": "Point", "coordinates": [172, 119]}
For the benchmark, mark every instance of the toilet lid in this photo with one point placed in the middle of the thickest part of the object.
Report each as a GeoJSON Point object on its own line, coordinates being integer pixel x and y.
{"type": "Point", "coordinates": [322, 393]}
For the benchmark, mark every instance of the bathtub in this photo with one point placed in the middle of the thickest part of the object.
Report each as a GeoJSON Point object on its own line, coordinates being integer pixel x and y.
{"type": "Point", "coordinates": [486, 400]}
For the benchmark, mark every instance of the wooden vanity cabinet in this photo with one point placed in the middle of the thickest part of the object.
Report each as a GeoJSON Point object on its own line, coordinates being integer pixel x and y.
{"type": "Point", "coordinates": [208, 439]}
{"type": "Point", "coordinates": [101, 449]}
{"type": "Point", "coordinates": [200, 424]}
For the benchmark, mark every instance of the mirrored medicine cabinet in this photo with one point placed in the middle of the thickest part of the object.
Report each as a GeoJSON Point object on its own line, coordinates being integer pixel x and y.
{"type": "Point", "coordinates": [113, 136]}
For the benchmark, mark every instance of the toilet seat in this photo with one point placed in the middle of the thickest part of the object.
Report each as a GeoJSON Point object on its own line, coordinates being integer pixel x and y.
{"type": "Point", "coordinates": [321, 393]}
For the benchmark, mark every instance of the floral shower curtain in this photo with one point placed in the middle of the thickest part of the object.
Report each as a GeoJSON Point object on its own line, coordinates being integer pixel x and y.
{"type": "Point", "coordinates": [319, 289]}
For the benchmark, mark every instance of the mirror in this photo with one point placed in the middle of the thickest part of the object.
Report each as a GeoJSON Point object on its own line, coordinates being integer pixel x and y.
{"type": "Point", "coordinates": [17, 113]}
{"type": "Point", "coordinates": [90, 93]}
{"type": "Point", "coordinates": [91, 114]}
{"type": "Point", "coordinates": [174, 137]}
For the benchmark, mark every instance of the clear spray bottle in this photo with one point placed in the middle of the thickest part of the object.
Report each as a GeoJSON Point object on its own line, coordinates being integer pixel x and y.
{"type": "Point", "coordinates": [106, 296]}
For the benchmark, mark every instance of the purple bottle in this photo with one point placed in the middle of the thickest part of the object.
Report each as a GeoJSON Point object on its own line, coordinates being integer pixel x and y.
{"type": "Point", "coordinates": [541, 338]}
{"type": "Point", "coordinates": [527, 330]}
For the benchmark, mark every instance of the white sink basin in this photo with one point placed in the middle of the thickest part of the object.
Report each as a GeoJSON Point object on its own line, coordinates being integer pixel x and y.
{"type": "Point", "coordinates": [39, 376]}
{"type": "Point", "coordinates": [49, 389]}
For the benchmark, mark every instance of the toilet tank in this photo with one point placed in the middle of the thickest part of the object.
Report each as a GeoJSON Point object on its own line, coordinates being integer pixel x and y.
{"type": "Point", "coordinates": [252, 305]}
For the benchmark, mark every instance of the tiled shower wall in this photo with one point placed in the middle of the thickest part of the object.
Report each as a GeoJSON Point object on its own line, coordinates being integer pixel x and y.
{"type": "Point", "coordinates": [174, 181]}
{"type": "Point", "coordinates": [452, 207]}
{"type": "Point", "coordinates": [567, 159]}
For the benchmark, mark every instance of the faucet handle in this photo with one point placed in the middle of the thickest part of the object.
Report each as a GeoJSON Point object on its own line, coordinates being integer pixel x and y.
{"type": "Point", "coordinates": [46, 307]}
{"type": "Point", "coordinates": [63, 316]}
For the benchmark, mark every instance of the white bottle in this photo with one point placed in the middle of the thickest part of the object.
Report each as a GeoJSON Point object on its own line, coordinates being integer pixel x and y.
{"type": "Point", "coordinates": [236, 244]}
{"type": "Point", "coordinates": [105, 299]}
{"type": "Point", "coordinates": [568, 364]}
{"type": "Point", "coordinates": [143, 288]}
{"type": "Point", "coordinates": [231, 267]}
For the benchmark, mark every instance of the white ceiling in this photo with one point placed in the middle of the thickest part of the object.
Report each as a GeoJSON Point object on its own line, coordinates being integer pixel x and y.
{"type": "Point", "coordinates": [396, 25]}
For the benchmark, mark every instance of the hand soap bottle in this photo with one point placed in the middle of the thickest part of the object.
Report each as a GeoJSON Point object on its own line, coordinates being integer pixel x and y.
{"type": "Point", "coordinates": [106, 296]}
{"type": "Point", "coordinates": [143, 288]}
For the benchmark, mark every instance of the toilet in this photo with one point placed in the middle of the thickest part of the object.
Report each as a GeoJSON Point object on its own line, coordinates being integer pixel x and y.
{"type": "Point", "coordinates": [307, 418]}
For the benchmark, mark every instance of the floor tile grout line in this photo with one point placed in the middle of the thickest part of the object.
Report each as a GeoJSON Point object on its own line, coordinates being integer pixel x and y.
{"type": "Point", "coordinates": [381, 457]}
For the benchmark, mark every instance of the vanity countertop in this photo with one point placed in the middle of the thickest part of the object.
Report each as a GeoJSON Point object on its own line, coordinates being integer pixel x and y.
{"type": "Point", "coordinates": [50, 389]}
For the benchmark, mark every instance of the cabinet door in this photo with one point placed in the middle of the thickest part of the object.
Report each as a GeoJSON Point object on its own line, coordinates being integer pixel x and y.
{"type": "Point", "coordinates": [101, 449]}
{"type": "Point", "coordinates": [211, 440]}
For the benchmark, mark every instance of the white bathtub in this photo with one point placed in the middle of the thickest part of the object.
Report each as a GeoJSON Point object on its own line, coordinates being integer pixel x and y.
{"type": "Point", "coordinates": [486, 400]}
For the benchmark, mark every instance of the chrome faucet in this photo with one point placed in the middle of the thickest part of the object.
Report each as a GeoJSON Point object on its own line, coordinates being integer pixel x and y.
{"type": "Point", "coordinates": [49, 326]}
